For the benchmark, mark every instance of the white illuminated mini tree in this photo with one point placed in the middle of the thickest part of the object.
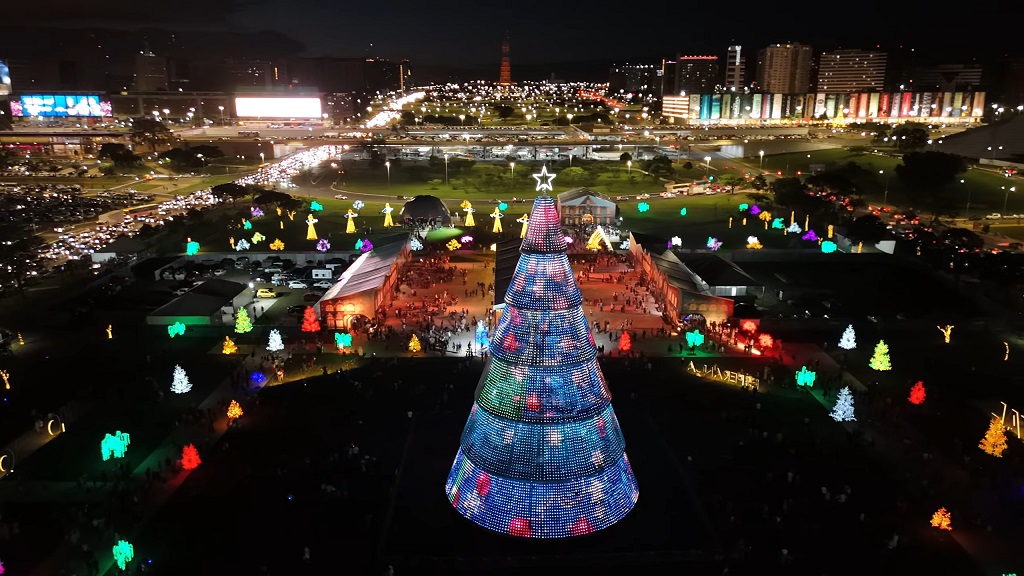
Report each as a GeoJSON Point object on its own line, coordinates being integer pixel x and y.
{"type": "Point", "coordinates": [180, 384]}
{"type": "Point", "coordinates": [849, 339]}
{"type": "Point", "coordinates": [843, 410]}
{"type": "Point", "coordinates": [275, 344]}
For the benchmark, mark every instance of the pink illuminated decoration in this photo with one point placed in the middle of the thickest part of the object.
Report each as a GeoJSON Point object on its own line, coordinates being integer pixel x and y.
{"type": "Point", "coordinates": [810, 236]}
{"type": "Point", "coordinates": [466, 239]}
{"type": "Point", "coordinates": [754, 210]}
{"type": "Point", "coordinates": [765, 341]}
{"type": "Point", "coordinates": [568, 239]}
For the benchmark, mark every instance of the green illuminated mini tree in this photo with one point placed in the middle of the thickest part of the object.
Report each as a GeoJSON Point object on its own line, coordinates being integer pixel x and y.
{"type": "Point", "coordinates": [124, 552]}
{"type": "Point", "coordinates": [805, 377]}
{"type": "Point", "coordinates": [694, 339]}
{"type": "Point", "coordinates": [880, 359]}
{"type": "Point", "coordinates": [242, 322]}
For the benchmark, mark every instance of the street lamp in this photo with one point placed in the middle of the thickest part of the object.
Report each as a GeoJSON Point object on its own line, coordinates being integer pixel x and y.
{"type": "Point", "coordinates": [629, 167]}
{"type": "Point", "coordinates": [1007, 196]}
{"type": "Point", "coordinates": [760, 164]}
{"type": "Point", "coordinates": [202, 159]}
{"type": "Point", "coordinates": [261, 157]}
{"type": "Point", "coordinates": [388, 166]}
{"type": "Point", "coordinates": [445, 169]}
{"type": "Point", "coordinates": [513, 166]}
{"type": "Point", "coordinates": [708, 167]}
{"type": "Point", "coordinates": [885, 197]}
{"type": "Point", "coordinates": [569, 116]}
{"type": "Point", "coordinates": [462, 118]}
{"type": "Point", "coordinates": [221, 108]}
{"type": "Point", "coordinates": [967, 211]}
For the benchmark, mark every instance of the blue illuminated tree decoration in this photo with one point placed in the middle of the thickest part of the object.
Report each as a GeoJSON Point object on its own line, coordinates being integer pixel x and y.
{"type": "Point", "coordinates": [358, 205]}
{"type": "Point", "coordinates": [744, 207]}
{"type": "Point", "coordinates": [755, 210]}
{"type": "Point", "coordinates": [315, 206]}
{"type": "Point", "coordinates": [624, 245]}
{"type": "Point", "coordinates": [805, 377]}
{"type": "Point", "coordinates": [481, 338]}
{"type": "Point", "coordinates": [191, 248]}
{"type": "Point", "coordinates": [682, 211]}
{"type": "Point", "coordinates": [828, 246]}
{"type": "Point", "coordinates": [342, 340]}
{"type": "Point", "coordinates": [176, 329]}
{"type": "Point", "coordinates": [810, 236]}
{"type": "Point", "coordinates": [643, 207]}
{"type": "Point", "coordinates": [257, 212]}
{"type": "Point", "coordinates": [502, 206]}
{"type": "Point", "coordinates": [323, 245]}
{"type": "Point", "coordinates": [241, 245]}
{"type": "Point", "coordinates": [257, 378]}
{"type": "Point", "coordinates": [779, 223]}
{"type": "Point", "coordinates": [694, 338]}
{"type": "Point", "coordinates": [794, 228]}
{"type": "Point", "coordinates": [415, 244]}
{"type": "Point", "coordinates": [542, 455]}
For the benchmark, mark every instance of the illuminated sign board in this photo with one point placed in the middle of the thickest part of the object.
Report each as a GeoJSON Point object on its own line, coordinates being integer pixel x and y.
{"type": "Point", "coordinates": [60, 105]}
{"type": "Point", "coordinates": [5, 79]}
{"type": "Point", "coordinates": [277, 107]}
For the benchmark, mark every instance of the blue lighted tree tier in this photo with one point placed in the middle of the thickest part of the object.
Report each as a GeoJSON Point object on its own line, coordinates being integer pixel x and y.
{"type": "Point", "coordinates": [542, 455]}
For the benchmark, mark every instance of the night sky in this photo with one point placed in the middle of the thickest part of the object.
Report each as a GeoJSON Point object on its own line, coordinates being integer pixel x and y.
{"type": "Point", "coordinates": [468, 35]}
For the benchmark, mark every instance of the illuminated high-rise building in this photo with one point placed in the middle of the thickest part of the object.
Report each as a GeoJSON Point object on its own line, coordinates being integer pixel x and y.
{"type": "Point", "coordinates": [851, 71]}
{"type": "Point", "coordinates": [735, 69]}
{"type": "Point", "coordinates": [542, 455]}
{"type": "Point", "coordinates": [785, 68]}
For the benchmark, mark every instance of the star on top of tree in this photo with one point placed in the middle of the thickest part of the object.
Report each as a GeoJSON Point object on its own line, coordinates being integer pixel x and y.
{"type": "Point", "coordinates": [544, 179]}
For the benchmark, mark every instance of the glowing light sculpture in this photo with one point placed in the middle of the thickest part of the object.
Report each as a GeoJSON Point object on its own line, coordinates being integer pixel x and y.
{"type": "Point", "coordinates": [176, 329]}
{"type": "Point", "coordinates": [810, 236]}
{"type": "Point", "coordinates": [229, 346]}
{"type": "Point", "coordinates": [806, 377]}
{"type": "Point", "coordinates": [947, 331]}
{"type": "Point", "coordinates": [779, 223]}
{"type": "Point", "coordinates": [258, 237]}
{"type": "Point", "coordinates": [246, 225]}
{"type": "Point", "coordinates": [323, 245]}
{"type": "Point", "coordinates": [342, 340]}
{"type": "Point", "coordinates": [880, 359]}
{"type": "Point", "coordinates": [235, 410]}
{"type": "Point", "coordinates": [190, 457]}
{"type": "Point", "coordinates": [849, 339]}
{"type": "Point", "coordinates": [917, 393]}
{"type": "Point", "coordinates": [114, 445]}
{"type": "Point", "coordinates": [414, 344]}
{"type": "Point", "coordinates": [694, 338]}
{"type": "Point", "coordinates": [358, 205]}
{"type": "Point", "coordinates": [481, 338]}
{"type": "Point", "coordinates": [124, 553]}
{"type": "Point", "coordinates": [388, 222]}
{"type": "Point", "coordinates": [542, 455]}
{"type": "Point", "coordinates": [311, 230]}
{"type": "Point", "coordinates": [191, 248]}
{"type": "Point", "coordinates": [744, 207]}
{"type": "Point", "coordinates": [755, 209]}
{"type": "Point", "coordinates": [179, 381]}
{"type": "Point", "coordinates": [994, 442]}
{"type": "Point", "coordinates": [416, 244]}
{"type": "Point", "coordinates": [466, 239]}
{"type": "Point", "coordinates": [676, 241]}
{"type": "Point", "coordinates": [828, 247]}
{"type": "Point", "coordinates": [625, 343]}
{"type": "Point", "coordinates": [794, 228]}
{"type": "Point", "coordinates": [350, 227]}
{"type": "Point", "coordinates": [274, 342]}
{"type": "Point", "coordinates": [277, 244]}
{"type": "Point", "coordinates": [502, 206]}
{"type": "Point", "coordinates": [643, 207]}
{"type": "Point", "coordinates": [497, 215]}
{"type": "Point", "coordinates": [941, 519]}
{"type": "Point", "coordinates": [242, 322]}
{"type": "Point", "coordinates": [241, 245]}
{"type": "Point", "coordinates": [257, 212]}
{"type": "Point", "coordinates": [315, 206]}
{"type": "Point", "coordinates": [310, 323]}
{"type": "Point", "coordinates": [525, 221]}
{"type": "Point", "coordinates": [682, 211]}
{"type": "Point", "coordinates": [714, 244]}
{"type": "Point", "coordinates": [843, 410]}
{"type": "Point", "coordinates": [753, 243]}
{"type": "Point", "coordinates": [367, 245]}
{"type": "Point", "coordinates": [453, 245]}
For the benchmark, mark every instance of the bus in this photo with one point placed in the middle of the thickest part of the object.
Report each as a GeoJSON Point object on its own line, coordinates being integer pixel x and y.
{"type": "Point", "coordinates": [249, 133]}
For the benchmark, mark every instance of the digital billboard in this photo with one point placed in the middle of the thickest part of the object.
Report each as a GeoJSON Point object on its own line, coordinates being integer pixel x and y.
{"type": "Point", "coordinates": [60, 105]}
{"type": "Point", "coordinates": [5, 79]}
{"type": "Point", "coordinates": [277, 107]}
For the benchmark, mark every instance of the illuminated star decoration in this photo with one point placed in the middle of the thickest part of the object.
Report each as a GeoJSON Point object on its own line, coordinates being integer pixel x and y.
{"type": "Point", "coordinates": [755, 210]}
{"type": "Point", "coordinates": [828, 247]}
{"type": "Point", "coordinates": [323, 245]}
{"type": "Point", "coordinates": [358, 205]}
{"type": "Point", "coordinates": [367, 245]}
{"type": "Point", "coordinates": [176, 329]}
{"type": "Point", "coordinates": [192, 248]}
{"type": "Point", "coordinates": [810, 236]}
{"type": "Point", "coordinates": [242, 244]}
{"type": "Point", "coordinates": [643, 207]}
{"type": "Point", "coordinates": [544, 179]}
{"type": "Point", "coordinates": [682, 211]}
{"type": "Point", "coordinates": [257, 212]}
{"type": "Point", "coordinates": [315, 206]}
{"type": "Point", "coordinates": [714, 244]}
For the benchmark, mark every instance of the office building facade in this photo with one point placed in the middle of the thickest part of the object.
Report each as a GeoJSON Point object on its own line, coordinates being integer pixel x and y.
{"type": "Point", "coordinates": [851, 71]}
{"type": "Point", "coordinates": [735, 69]}
{"type": "Point", "coordinates": [785, 68]}
{"type": "Point", "coordinates": [696, 74]}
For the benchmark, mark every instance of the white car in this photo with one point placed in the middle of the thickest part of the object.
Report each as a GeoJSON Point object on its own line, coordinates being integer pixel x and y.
{"type": "Point", "coordinates": [181, 291]}
{"type": "Point", "coordinates": [219, 272]}
{"type": "Point", "coordinates": [323, 284]}
{"type": "Point", "coordinates": [643, 196]}
{"type": "Point", "coordinates": [295, 284]}
{"type": "Point", "coordinates": [340, 197]}
{"type": "Point", "coordinates": [994, 216]}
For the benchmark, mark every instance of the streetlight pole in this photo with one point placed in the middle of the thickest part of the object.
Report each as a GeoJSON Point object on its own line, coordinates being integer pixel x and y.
{"type": "Point", "coordinates": [760, 164]}
{"type": "Point", "coordinates": [513, 166]}
{"type": "Point", "coordinates": [707, 167]}
{"type": "Point", "coordinates": [629, 167]}
{"type": "Point", "coordinates": [388, 166]}
{"type": "Point", "coordinates": [885, 197]}
{"type": "Point", "coordinates": [967, 211]}
{"type": "Point", "coordinates": [445, 169]}
{"type": "Point", "coordinates": [1007, 197]}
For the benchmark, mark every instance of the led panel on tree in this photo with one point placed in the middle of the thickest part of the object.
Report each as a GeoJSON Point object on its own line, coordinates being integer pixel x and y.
{"type": "Point", "coordinates": [542, 455]}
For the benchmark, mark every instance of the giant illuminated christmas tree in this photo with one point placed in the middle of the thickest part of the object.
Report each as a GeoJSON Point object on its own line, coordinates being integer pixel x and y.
{"type": "Point", "coordinates": [542, 455]}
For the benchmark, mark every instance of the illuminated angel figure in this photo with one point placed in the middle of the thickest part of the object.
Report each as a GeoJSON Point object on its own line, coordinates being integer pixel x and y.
{"type": "Point", "coordinates": [388, 222]}
{"type": "Point", "coordinates": [497, 215]}
{"type": "Point", "coordinates": [525, 221]}
{"type": "Point", "coordinates": [469, 216]}
{"type": "Point", "coordinates": [311, 231]}
{"type": "Point", "coordinates": [350, 228]}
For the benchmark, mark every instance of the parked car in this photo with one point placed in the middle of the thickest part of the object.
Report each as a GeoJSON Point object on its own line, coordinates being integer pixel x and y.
{"type": "Point", "coordinates": [994, 216]}
{"type": "Point", "coordinates": [266, 293]}
{"type": "Point", "coordinates": [295, 284]}
{"type": "Point", "coordinates": [297, 309]}
{"type": "Point", "coordinates": [273, 270]}
{"type": "Point", "coordinates": [324, 284]}
{"type": "Point", "coordinates": [341, 197]}
{"type": "Point", "coordinates": [182, 290]}
{"type": "Point", "coordinates": [219, 272]}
